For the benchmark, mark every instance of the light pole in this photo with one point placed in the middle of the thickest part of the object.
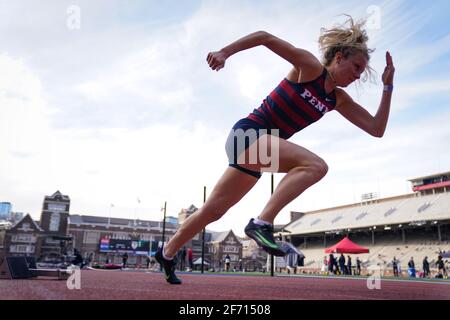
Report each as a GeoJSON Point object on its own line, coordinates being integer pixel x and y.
{"type": "Point", "coordinates": [136, 211]}
{"type": "Point", "coordinates": [164, 224]}
{"type": "Point", "coordinates": [203, 234]}
{"type": "Point", "coordinates": [109, 214]}
{"type": "Point", "coordinates": [271, 256]}
{"type": "Point", "coordinates": [164, 228]}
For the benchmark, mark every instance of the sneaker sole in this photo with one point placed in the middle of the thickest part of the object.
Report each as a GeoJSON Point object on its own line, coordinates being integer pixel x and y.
{"type": "Point", "coordinates": [275, 252]}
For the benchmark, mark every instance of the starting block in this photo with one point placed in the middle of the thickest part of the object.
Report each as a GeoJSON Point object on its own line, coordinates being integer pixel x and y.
{"type": "Point", "coordinates": [61, 274]}
{"type": "Point", "coordinates": [25, 268]}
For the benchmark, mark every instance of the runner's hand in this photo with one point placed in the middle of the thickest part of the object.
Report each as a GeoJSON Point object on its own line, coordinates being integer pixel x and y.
{"type": "Point", "coordinates": [388, 74]}
{"type": "Point", "coordinates": [216, 60]}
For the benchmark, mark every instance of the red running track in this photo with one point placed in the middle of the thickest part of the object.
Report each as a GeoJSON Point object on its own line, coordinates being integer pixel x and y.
{"type": "Point", "coordinates": [123, 285]}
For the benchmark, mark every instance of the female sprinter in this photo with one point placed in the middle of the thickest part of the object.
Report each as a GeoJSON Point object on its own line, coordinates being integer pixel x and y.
{"type": "Point", "coordinates": [311, 89]}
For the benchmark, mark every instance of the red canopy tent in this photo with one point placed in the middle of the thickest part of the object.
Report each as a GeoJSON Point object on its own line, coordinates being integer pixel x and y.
{"type": "Point", "coordinates": [346, 246]}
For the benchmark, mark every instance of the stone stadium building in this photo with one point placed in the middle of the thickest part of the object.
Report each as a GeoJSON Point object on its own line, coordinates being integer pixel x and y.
{"type": "Point", "coordinates": [411, 225]}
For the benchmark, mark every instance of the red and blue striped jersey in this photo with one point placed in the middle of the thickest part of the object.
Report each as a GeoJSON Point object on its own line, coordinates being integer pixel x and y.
{"type": "Point", "coordinates": [293, 106]}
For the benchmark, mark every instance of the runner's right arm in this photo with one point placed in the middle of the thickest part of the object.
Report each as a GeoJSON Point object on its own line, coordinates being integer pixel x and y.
{"type": "Point", "coordinates": [301, 59]}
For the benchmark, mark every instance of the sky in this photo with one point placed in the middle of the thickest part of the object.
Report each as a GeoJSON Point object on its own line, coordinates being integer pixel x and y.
{"type": "Point", "coordinates": [113, 103]}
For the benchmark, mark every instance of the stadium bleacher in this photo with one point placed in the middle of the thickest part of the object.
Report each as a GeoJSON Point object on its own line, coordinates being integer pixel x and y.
{"type": "Point", "coordinates": [413, 225]}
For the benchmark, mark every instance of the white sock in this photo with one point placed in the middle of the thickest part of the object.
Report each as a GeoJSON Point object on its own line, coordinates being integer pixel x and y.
{"type": "Point", "coordinates": [261, 222]}
{"type": "Point", "coordinates": [166, 257]}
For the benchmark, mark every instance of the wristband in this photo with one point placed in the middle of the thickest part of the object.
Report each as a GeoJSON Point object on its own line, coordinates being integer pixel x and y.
{"type": "Point", "coordinates": [388, 88]}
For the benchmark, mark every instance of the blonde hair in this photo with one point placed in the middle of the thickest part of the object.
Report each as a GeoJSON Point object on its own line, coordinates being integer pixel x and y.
{"type": "Point", "coordinates": [349, 38]}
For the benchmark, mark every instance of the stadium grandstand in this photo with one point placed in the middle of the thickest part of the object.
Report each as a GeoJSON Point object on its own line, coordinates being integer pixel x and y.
{"type": "Point", "coordinates": [411, 225]}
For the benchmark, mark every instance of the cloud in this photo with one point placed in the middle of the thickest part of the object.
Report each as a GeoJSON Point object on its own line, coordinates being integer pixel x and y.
{"type": "Point", "coordinates": [424, 54]}
{"type": "Point", "coordinates": [24, 133]}
{"type": "Point", "coordinates": [23, 112]}
{"type": "Point", "coordinates": [149, 75]}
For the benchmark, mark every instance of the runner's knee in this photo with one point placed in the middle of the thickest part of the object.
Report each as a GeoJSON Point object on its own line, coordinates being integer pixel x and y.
{"type": "Point", "coordinates": [318, 168]}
